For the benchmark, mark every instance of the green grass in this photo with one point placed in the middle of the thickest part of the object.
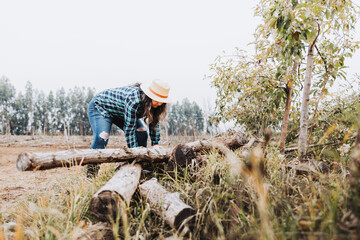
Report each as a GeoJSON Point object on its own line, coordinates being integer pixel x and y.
{"type": "Point", "coordinates": [278, 205]}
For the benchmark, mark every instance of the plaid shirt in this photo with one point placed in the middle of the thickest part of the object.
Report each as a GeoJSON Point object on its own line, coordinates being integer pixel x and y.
{"type": "Point", "coordinates": [124, 103]}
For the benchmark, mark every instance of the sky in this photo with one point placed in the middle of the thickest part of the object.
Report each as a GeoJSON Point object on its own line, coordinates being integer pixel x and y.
{"type": "Point", "coordinates": [112, 43]}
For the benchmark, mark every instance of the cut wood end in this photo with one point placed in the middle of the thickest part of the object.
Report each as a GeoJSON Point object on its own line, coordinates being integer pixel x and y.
{"type": "Point", "coordinates": [105, 206]}
{"type": "Point", "coordinates": [185, 218]}
{"type": "Point", "coordinates": [23, 162]}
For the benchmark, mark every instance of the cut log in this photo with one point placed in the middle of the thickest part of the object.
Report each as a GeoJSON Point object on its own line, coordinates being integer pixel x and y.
{"type": "Point", "coordinates": [239, 139]}
{"type": "Point", "coordinates": [107, 202]}
{"type": "Point", "coordinates": [45, 160]}
{"type": "Point", "coordinates": [169, 206]}
{"type": "Point", "coordinates": [146, 156]}
{"type": "Point", "coordinates": [183, 154]}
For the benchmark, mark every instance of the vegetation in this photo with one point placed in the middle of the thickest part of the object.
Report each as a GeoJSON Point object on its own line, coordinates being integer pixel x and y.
{"type": "Point", "coordinates": [66, 112]}
{"type": "Point", "coordinates": [269, 203]}
{"type": "Point", "coordinates": [301, 49]}
{"type": "Point", "coordinates": [185, 119]}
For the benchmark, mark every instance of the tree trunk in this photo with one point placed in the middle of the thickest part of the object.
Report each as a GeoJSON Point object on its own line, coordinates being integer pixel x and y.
{"type": "Point", "coordinates": [168, 205]}
{"type": "Point", "coordinates": [305, 103]}
{"type": "Point", "coordinates": [35, 161]}
{"type": "Point", "coordinates": [289, 89]}
{"type": "Point", "coordinates": [108, 202]}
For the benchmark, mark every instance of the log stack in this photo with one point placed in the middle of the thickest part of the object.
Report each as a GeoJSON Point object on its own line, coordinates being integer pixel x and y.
{"type": "Point", "coordinates": [111, 200]}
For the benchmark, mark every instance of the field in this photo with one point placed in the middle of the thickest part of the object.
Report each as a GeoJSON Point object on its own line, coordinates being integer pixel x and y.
{"type": "Point", "coordinates": [267, 201]}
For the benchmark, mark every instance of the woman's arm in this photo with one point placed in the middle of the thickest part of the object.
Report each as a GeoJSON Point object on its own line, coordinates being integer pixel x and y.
{"type": "Point", "coordinates": [154, 134]}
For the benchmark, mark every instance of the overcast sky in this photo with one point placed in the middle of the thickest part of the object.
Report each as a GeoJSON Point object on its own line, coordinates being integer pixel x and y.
{"type": "Point", "coordinates": [105, 44]}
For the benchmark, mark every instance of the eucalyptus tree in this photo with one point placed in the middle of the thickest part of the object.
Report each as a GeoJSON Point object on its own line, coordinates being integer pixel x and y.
{"type": "Point", "coordinates": [29, 99]}
{"type": "Point", "coordinates": [41, 114]}
{"type": "Point", "coordinates": [7, 94]}
{"type": "Point", "coordinates": [185, 118]}
{"type": "Point", "coordinates": [62, 106]}
{"type": "Point", "coordinates": [319, 31]}
{"type": "Point", "coordinates": [252, 90]}
{"type": "Point", "coordinates": [51, 111]}
{"type": "Point", "coordinates": [19, 116]}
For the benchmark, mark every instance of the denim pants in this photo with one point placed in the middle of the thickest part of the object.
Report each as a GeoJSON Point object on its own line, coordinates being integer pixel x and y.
{"type": "Point", "coordinates": [101, 127]}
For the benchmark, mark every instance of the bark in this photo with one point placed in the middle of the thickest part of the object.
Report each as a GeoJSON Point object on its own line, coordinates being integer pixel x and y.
{"type": "Point", "coordinates": [146, 156]}
{"type": "Point", "coordinates": [305, 104]}
{"type": "Point", "coordinates": [289, 89]}
{"type": "Point", "coordinates": [357, 141]}
{"type": "Point", "coordinates": [305, 100]}
{"type": "Point", "coordinates": [34, 161]}
{"type": "Point", "coordinates": [168, 205]}
{"type": "Point", "coordinates": [239, 139]}
{"type": "Point", "coordinates": [109, 200]}
{"type": "Point", "coordinates": [183, 155]}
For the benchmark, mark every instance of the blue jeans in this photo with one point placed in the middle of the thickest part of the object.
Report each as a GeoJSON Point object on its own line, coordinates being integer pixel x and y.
{"type": "Point", "coordinates": [101, 128]}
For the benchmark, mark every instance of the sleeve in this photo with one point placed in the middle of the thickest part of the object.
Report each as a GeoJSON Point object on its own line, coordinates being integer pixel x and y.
{"type": "Point", "coordinates": [130, 122]}
{"type": "Point", "coordinates": [154, 134]}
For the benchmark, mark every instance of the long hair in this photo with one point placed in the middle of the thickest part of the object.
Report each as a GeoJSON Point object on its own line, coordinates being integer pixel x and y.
{"type": "Point", "coordinates": [152, 116]}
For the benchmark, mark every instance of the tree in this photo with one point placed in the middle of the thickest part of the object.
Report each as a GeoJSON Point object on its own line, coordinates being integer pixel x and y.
{"type": "Point", "coordinates": [40, 121]}
{"type": "Point", "coordinates": [19, 117]}
{"type": "Point", "coordinates": [7, 93]}
{"type": "Point", "coordinates": [62, 110]}
{"type": "Point", "coordinates": [300, 28]}
{"type": "Point", "coordinates": [248, 88]}
{"type": "Point", "coordinates": [185, 118]}
{"type": "Point", "coordinates": [29, 99]}
{"type": "Point", "coordinates": [51, 111]}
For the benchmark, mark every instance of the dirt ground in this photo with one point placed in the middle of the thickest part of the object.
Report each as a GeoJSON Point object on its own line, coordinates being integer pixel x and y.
{"type": "Point", "coordinates": [14, 184]}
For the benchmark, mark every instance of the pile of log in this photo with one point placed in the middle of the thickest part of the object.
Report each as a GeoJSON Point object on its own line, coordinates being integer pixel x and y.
{"type": "Point", "coordinates": [109, 202]}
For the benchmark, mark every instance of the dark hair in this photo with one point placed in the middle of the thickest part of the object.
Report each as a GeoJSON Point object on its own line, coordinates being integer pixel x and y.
{"type": "Point", "coordinates": [152, 116]}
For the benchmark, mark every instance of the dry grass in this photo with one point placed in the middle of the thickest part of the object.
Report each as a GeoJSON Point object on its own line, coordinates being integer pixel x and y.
{"type": "Point", "coordinates": [266, 201]}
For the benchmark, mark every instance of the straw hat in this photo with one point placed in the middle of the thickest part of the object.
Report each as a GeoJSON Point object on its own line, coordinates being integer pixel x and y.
{"type": "Point", "coordinates": [157, 90]}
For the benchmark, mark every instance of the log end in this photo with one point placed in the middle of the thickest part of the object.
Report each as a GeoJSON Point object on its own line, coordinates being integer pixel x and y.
{"type": "Point", "coordinates": [185, 220]}
{"type": "Point", "coordinates": [180, 157]}
{"type": "Point", "coordinates": [239, 139]}
{"type": "Point", "coordinates": [23, 162]}
{"type": "Point", "coordinates": [105, 206]}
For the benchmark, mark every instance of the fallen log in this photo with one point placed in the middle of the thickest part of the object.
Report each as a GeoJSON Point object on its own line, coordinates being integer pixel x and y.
{"type": "Point", "coordinates": [183, 154]}
{"type": "Point", "coordinates": [45, 160]}
{"type": "Point", "coordinates": [169, 206]}
{"type": "Point", "coordinates": [107, 202]}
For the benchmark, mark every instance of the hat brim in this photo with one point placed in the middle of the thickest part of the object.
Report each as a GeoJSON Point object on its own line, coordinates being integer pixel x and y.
{"type": "Point", "coordinates": [145, 87]}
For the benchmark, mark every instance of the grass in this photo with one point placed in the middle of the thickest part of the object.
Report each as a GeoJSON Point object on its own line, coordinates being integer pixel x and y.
{"type": "Point", "coordinates": [268, 202]}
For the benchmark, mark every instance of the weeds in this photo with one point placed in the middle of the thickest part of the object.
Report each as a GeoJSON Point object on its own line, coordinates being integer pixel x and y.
{"type": "Point", "coordinates": [268, 201]}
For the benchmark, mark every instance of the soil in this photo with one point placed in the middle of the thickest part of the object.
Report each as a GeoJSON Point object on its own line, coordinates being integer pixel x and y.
{"type": "Point", "coordinates": [14, 184]}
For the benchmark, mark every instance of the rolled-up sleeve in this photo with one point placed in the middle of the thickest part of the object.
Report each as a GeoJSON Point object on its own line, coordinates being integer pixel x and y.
{"type": "Point", "coordinates": [154, 134]}
{"type": "Point", "coordinates": [130, 122]}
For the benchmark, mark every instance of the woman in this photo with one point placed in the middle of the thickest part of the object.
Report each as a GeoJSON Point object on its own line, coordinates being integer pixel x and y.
{"type": "Point", "coordinates": [125, 107]}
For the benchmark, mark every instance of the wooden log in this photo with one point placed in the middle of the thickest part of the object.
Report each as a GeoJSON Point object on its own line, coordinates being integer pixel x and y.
{"type": "Point", "coordinates": [183, 154]}
{"type": "Point", "coordinates": [107, 202]}
{"type": "Point", "coordinates": [239, 139]}
{"type": "Point", "coordinates": [45, 160]}
{"type": "Point", "coordinates": [169, 206]}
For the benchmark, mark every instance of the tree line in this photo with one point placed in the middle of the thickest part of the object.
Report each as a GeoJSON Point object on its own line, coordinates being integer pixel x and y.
{"type": "Point", "coordinates": [65, 112]}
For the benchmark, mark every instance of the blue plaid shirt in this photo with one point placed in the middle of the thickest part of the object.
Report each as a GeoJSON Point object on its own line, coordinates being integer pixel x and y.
{"type": "Point", "coordinates": [124, 103]}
